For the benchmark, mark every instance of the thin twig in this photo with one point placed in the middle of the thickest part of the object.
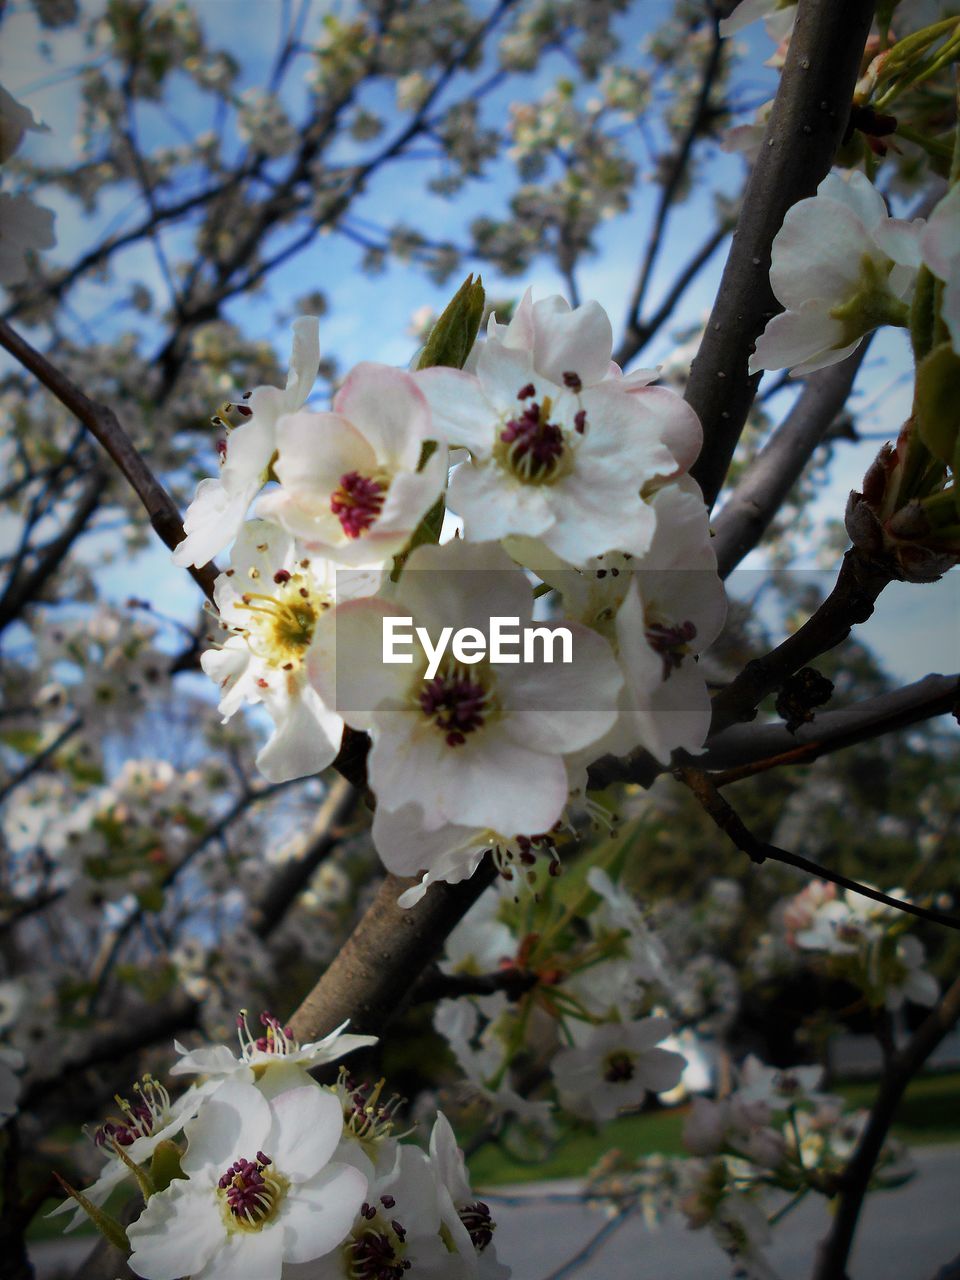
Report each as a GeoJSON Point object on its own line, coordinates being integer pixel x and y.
{"type": "Point", "coordinates": [104, 426]}
{"type": "Point", "coordinates": [730, 822]}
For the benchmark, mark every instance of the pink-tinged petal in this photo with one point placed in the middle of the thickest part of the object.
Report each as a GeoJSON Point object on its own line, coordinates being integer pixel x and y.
{"type": "Point", "coordinates": [307, 1126]}
{"type": "Point", "coordinates": [247, 1255]}
{"type": "Point", "coordinates": [462, 414]}
{"type": "Point", "coordinates": [317, 449]}
{"type": "Point", "coordinates": [493, 504]}
{"type": "Point", "coordinates": [318, 1215]}
{"type": "Point", "coordinates": [794, 338]}
{"type": "Point", "coordinates": [306, 738]}
{"type": "Point", "coordinates": [636, 379]}
{"type": "Point", "coordinates": [674, 421]}
{"type": "Point", "coordinates": [304, 362]}
{"type": "Point", "coordinates": [504, 372]}
{"type": "Point", "coordinates": [568, 341]}
{"type": "Point", "coordinates": [232, 1123]}
{"type": "Point", "coordinates": [661, 1069]}
{"type": "Point", "coordinates": [561, 707]}
{"type": "Point", "coordinates": [389, 409]}
{"type": "Point", "coordinates": [817, 254]}
{"type": "Point", "coordinates": [177, 1232]}
{"type": "Point", "coordinates": [857, 193]}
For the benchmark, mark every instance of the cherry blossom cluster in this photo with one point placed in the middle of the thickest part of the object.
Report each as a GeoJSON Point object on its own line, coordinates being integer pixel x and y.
{"type": "Point", "coordinates": [568, 480]}
{"type": "Point", "coordinates": [257, 1168]}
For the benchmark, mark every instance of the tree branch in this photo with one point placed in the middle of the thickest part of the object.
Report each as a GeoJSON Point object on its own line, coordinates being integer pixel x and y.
{"type": "Point", "coordinates": [371, 977]}
{"type": "Point", "coordinates": [809, 115]}
{"type": "Point", "coordinates": [729, 821]}
{"type": "Point", "coordinates": [754, 503]}
{"type": "Point", "coordinates": [747, 749]}
{"type": "Point", "coordinates": [835, 1249]}
{"type": "Point", "coordinates": [103, 425]}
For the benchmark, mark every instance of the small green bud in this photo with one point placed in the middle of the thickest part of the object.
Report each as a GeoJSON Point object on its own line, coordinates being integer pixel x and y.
{"type": "Point", "coordinates": [452, 337]}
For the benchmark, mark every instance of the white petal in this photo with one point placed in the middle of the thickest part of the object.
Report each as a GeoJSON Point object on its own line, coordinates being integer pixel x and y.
{"type": "Point", "coordinates": [660, 1069]}
{"type": "Point", "coordinates": [306, 738]}
{"type": "Point", "coordinates": [304, 362]}
{"type": "Point", "coordinates": [817, 254]}
{"type": "Point", "coordinates": [318, 1215]}
{"type": "Point", "coordinates": [568, 341]}
{"type": "Point", "coordinates": [858, 194]}
{"type": "Point", "coordinates": [307, 1126]}
{"type": "Point", "coordinates": [177, 1232]}
{"type": "Point", "coordinates": [462, 415]}
{"type": "Point", "coordinates": [801, 337]}
{"type": "Point", "coordinates": [493, 504]}
{"type": "Point", "coordinates": [232, 1123]}
{"type": "Point", "coordinates": [247, 1255]}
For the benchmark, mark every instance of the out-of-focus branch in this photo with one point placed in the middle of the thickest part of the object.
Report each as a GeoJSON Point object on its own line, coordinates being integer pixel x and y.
{"type": "Point", "coordinates": [640, 334]}
{"type": "Point", "coordinates": [807, 121]}
{"type": "Point", "coordinates": [293, 877]}
{"type": "Point", "coordinates": [835, 1248]}
{"type": "Point", "coordinates": [104, 426]}
{"type": "Point", "coordinates": [747, 749]}
{"type": "Point", "coordinates": [41, 758]}
{"type": "Point", "coordinates": [758, 851]}
{"type": "Point", "coordinates": [635, 334]}
{"type": "Point", "coordinates": [24, 586]}
{"type": "Point", "coordinates": [744, 518]}
{"type": "Point", "coordinates": [371, 977]}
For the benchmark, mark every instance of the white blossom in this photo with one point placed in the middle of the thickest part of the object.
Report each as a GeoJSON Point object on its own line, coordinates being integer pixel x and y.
{"type": "Point", "coordinates": [262, 1189]}
{"type": "Point", "coordinates": [214, 517]}
{"type": "Point", "coordinates": [615, 1067]}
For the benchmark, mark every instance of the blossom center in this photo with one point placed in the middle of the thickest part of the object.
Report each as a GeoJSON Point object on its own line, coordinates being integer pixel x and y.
{"type": "Point", "coordinates": [672, 643]}
{"type": "Point", "coordinates": [375, 1252]}
{"type": "Point", "coordinates": [618, 1067]}
{"type": "Point", "coordinates": [251, 1191]}
{"type": "Point", "coordinates": [530, 446]}
{"type": "Point", "coordinates": [141, 1118]}
{"type": "Point", "coordinates": [281, 625]}
{"type": "Point", "coordinates": [457, 703]}
{"type": "Point", "coordinates": [365, 1117]}
{"type": "Point", "coordinates": [276, 1038]}
{"type": "Point", "coordinates": [479, 1224]}
{"type": "Point", "coordinates": [357, 502]}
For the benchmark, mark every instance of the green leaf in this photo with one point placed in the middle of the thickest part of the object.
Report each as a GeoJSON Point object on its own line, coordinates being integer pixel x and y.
{"type": "Point", "coordinates": [452, 337]}
{"type": "Point", "coordinates": [937, 401]}
{"type": "Point", "coordinates": [107, 1225]}
{"type": "Point", "coordinates": [165, 1165]}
